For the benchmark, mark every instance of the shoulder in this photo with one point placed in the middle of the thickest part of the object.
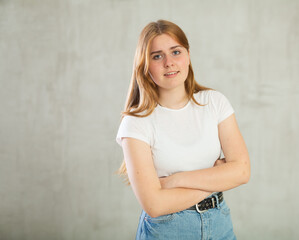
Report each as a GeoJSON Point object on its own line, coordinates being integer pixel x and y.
{"type": "Point", "coordinates": [139, 118]}
{"type": "Point", "coordinates": [129, 121]}
{"type": "Point", "coordinates": [215, 95]}
{"type": "Point", "coordinates": [206, 96]}
{"type": "Point", "coordinates": [135, 127]}
{"type": "Point", "coordinates": [216, 102]}
{"type": "Point", "coordinates": [210, 94]}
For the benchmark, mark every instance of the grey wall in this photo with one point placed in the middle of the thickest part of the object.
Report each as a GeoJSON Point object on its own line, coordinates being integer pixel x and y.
{"type": "Point", "coordinates": [65, 68]}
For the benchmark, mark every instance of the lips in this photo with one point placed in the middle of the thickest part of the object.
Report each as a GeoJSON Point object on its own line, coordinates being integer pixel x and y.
{"type": "Point", "coordinates": [172, 73]}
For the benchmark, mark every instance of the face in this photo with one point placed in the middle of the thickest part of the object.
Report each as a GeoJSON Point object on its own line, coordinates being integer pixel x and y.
{"type": "Point", "coordinates": [169, 62]}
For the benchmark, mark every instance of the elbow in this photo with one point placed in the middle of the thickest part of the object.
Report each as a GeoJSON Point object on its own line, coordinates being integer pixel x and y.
{"type": "Point", "coordinates": [154, 207]}
{"type": "Point", "coordinates": [153, 211]}
{"type": "Point", "coordinates": [245, 174]}
{"type": "Point", "coordinates": [246, 178]}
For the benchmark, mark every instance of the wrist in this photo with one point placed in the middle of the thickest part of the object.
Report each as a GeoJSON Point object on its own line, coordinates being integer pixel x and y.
{"type": "Point", "coordinates": [176, 180]}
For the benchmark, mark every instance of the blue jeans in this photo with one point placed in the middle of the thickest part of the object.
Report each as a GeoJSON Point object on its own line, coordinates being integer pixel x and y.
{"type": "Point", "coordinates": [213, 224]}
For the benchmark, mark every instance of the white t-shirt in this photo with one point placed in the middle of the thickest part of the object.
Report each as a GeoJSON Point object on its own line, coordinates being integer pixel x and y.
{"type": "Point", "coordinates": [183, 139]}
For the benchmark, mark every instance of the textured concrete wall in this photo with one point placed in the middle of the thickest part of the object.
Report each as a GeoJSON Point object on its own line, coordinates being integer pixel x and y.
{"type": "Point", "coordinates": [65, 68]}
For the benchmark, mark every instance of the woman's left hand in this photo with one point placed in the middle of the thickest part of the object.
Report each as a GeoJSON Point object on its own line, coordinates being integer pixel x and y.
{"type": "Point", "coordinates": [170, 181]}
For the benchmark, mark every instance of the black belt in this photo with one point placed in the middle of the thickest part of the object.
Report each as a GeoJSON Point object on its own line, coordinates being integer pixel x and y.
{"type": "Point", "coordinates": [207, 203]}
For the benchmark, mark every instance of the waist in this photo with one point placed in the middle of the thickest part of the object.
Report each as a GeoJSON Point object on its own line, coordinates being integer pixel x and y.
{"type": "Point", "coordinates": [208, 203]}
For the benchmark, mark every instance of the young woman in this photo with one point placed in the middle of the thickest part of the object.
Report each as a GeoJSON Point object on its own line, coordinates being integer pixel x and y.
{"type": "Point", "coordinates": [172, 133]}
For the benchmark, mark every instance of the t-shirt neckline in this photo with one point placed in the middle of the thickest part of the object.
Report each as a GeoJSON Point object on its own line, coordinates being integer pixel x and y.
{"type": "Point", "coordinates": [175, 110]}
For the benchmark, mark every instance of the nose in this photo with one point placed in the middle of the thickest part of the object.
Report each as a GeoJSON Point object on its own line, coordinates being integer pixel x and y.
{"type": "Point", "coordinates": [168, 61]}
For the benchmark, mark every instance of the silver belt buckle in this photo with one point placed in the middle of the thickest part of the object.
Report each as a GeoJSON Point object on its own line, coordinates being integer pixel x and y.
{"type": "Point", "coordinates": [197, 209]}
{"type": "Point", "coordinates": [213, 202]}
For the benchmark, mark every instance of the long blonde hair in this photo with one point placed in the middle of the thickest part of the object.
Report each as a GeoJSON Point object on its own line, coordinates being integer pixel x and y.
{"type": "Point", "coordinates": [143, 92]}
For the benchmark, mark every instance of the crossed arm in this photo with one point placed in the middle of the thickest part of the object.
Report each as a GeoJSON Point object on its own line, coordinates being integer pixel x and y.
{"type": "Point", "coordinates": [234, 172]}
{"type": "Point", "coordinates": [182, 190]}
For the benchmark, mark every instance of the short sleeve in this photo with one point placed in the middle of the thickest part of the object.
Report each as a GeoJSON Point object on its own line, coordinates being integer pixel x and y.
{"type": "Point", "coordinates": [135, 127]}
{"type": "Point", "coordinates": [222, 106]}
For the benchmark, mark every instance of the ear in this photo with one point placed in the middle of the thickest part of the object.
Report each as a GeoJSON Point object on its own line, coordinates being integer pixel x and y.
{"type": "Point", "coordinates": [189, 57]}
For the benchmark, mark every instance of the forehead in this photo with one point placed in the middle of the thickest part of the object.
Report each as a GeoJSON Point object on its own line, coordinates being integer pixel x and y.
{"type": "Point", "coordinates": [163, 42]}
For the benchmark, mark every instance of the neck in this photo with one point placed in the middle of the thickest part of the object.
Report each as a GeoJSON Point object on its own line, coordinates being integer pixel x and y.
{"type": "Point", "coordinates": [174, 99]}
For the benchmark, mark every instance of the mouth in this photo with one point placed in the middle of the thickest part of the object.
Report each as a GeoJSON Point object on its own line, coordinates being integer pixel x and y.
{"type": "Point", "coordinates": [171, 74]}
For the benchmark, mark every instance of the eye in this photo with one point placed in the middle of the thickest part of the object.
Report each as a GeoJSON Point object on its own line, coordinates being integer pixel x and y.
{"type": "Point", "coordinates": [176, 52]}
{"type": "Point", "coordinates": [157, 57]}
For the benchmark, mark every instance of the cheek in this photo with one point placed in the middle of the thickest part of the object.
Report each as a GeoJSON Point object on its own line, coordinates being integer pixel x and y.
{"type": "Point", "coordinates": [154, 68]}
{"type": "Point", "coordinates": [184, 63]}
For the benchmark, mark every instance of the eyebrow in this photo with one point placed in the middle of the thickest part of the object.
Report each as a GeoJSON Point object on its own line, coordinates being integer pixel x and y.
{"type": "Point", "coordinates": [169, 48]}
